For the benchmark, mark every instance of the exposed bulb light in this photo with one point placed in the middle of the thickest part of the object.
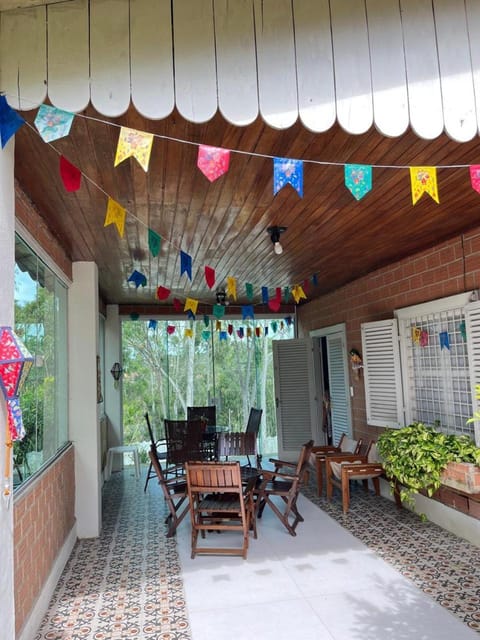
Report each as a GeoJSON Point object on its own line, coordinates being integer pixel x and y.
{"type": "Point", "coordinates": [275, 238]}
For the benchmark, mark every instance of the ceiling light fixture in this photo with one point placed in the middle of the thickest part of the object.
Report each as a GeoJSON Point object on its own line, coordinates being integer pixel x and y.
{"type": "Point", "coordinates": [275, 238]}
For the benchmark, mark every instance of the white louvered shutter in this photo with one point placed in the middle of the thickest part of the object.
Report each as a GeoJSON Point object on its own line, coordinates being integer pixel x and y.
{"type": "Point", "coordinates": [294, 395]}
{"type": "Point", "coordinates": [338, 380]}
{"type": "Point", "coordinates": [472, 321]}
{"type": "Point", "coordinates": [383, 382]}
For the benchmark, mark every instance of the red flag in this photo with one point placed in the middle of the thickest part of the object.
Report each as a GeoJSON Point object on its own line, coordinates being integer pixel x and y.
{"type": "Point", "coordinates": [274, 303]}
{"type": "Point", "coordinates": [230, 329]}
{"type": "Point", "coordinates": [210, 277]}
{"type": "Point", "coordinates": [170, 329]}
{"type": "Point", "coordinates": [71, 176]}
{"type": "Point", "coordinates": [163, 293]}
{"type": "Point", "coordinates": [177, 305]}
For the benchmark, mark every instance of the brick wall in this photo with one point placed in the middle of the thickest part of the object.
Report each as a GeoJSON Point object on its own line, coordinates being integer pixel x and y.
{"type": "Point", "coordinates": [43, 518]}
{"type": "Point", "coordinates": [449, 268]}
{"type": "Point", "coordinates": [28, 215]}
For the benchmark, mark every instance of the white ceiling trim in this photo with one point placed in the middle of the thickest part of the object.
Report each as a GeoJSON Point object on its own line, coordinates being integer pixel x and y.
{"type": "Point", "coordinates": [388, 63]}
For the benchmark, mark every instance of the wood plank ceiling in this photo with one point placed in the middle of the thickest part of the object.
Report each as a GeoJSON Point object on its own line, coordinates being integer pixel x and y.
{"type": "Point", "coordinates": [223, 224]}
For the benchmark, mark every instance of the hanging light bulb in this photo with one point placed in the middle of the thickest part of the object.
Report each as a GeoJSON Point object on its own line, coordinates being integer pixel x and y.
{"type": "Point", "coordinates": [275, 238]}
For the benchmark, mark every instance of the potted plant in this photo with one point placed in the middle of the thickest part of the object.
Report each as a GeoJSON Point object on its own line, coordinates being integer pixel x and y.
{"type": "Point", "coordinates": [417, 457]}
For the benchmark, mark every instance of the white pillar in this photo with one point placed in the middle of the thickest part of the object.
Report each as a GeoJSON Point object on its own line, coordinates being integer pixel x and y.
{"type": "Point", "coordinates": [83, 408]}
{"type": "Point", "coordinates": [113, 393]}
{"type": "Point", "coordinates": [7, 264]}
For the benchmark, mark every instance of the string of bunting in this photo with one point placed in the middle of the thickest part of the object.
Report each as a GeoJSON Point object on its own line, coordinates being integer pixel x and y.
{"type": "Point", "coordinates": [52, 124]}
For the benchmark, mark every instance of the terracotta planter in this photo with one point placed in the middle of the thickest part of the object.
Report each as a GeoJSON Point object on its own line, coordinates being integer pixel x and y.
{"type": "Point", "coordinates": [463, 476]}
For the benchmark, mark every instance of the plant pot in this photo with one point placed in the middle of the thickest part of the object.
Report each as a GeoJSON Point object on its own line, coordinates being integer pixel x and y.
{"type": "Point", "coordinates": [463, 476]}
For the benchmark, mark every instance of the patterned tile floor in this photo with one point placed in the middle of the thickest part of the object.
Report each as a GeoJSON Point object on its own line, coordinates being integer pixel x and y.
{"type": "Point", "coordinates": [127, 584]}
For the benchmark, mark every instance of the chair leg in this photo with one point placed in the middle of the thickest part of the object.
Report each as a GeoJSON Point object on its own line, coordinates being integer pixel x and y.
{"type": "Point", "coordinates": [345, 494]}
{"type": "Point", "coordinates": [148, 477]}
{"type": "Point", "coordinates": [319, 463]}
{"type": "Point", "coordinates": [376, 485]}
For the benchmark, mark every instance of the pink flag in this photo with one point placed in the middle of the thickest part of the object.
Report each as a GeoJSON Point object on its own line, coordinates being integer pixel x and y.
{"type": "Point", "coordinates": [212, 161]}
{"type": "Point", "coordinates": [475, 176]}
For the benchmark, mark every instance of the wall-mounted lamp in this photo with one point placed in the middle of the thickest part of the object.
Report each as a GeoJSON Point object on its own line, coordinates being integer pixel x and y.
{"type": "Point", "coordinates": [116, 372]}
{"type": "Point", "coordinates": [275, 238]}
{"type": "Point", "coordinates": [221, 297]}
{"type": "Point", "coordinates": [473, 297]}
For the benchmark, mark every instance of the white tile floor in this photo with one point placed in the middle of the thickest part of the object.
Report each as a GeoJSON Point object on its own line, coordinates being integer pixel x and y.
{"type": "Point", "coordinates": [322, 584]}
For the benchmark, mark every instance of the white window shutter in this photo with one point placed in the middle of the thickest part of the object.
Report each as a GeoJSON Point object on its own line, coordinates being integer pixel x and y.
{"type": "Point", "coordinates": [472, 321]}
{"type": "Point", "coordinates": [339, 393]}
{"type": "Point", "coordinates": [382, 373]}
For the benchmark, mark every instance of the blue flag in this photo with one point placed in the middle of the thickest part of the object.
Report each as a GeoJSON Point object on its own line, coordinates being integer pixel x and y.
{"type": "Point", "coordinates": [185, 264]}
{"type": "Point", "coordinates": [10, 121]}
{"type": "Point", "coordinates": [286, 171]}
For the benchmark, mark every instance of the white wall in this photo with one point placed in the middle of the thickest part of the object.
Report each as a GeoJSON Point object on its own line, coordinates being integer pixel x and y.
{"type": "Point", "coordinates": [83, 408]}
{"type": "Point", "coordinates": [7, 263]}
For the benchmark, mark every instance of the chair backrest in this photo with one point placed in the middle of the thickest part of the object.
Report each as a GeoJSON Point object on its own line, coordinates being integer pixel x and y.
{"type": "Point", "coordinates": [207, 414]}
{"type": "Point", "coordinates": [254, 419]}
{"type": "Point", "coordinates": [304, 458]}
{"type": "Point", "coordinates": [214, 477]}
{"type": "Point", "coordinates": [349, 445]}
{"type": "Point", "coordinates": [372, 452]}
{"type": "Point", "coordinates": [236, 444]}
{"type": "Point", "coordinates": [184, 440]}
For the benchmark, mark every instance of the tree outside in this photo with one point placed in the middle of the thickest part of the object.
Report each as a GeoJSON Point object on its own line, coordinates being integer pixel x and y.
{"type": "Point", "coordinates": [170, 365]}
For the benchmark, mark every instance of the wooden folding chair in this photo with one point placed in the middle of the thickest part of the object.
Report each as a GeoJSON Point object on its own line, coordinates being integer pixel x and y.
{"type": "Point", "coordinates": [219, 502]}
{"type": "Point", "coordinates": [319, 453]}
{"type": "Point", "coordinates": [155, 444]}
{"type": "Point", "coordinates": [341, 468]}
{"type": "Point", "coordinates": [286, 486]}
{"type": "Point", "coordinates": [175, 494]}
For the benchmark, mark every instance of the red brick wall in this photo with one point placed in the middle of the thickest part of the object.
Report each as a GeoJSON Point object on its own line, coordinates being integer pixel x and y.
{"type": "Point", "coordinates": [28, 215]}
{"type": "Point", "coordinates": [43, 518]}
{"type": "Point", "coordinates": [450, 268]}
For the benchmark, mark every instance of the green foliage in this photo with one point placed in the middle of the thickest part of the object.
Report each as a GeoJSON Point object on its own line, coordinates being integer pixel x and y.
{"type": "Point", "coordinates": [417, 454]}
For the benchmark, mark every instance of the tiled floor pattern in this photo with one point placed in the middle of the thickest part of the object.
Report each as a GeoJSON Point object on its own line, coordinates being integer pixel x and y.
{"type": "Point", "coordinates": [127, 584]}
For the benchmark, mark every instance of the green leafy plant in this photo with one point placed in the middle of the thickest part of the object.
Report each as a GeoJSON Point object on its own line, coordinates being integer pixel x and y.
{"type": "Point", "coordinates": [416, 455]}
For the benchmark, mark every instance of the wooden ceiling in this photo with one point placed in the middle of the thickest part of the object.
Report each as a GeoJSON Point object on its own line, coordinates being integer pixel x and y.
{"type": "Point", "coordinates": [223, 224]}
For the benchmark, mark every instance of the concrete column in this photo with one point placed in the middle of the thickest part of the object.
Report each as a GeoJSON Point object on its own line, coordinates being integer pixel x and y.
{"type": "Point", "coordinates": [83, 409]}
{"type": "Point", "coordinates": [113, 392]}
{"type": "Point", "coordinates": [7, 264]}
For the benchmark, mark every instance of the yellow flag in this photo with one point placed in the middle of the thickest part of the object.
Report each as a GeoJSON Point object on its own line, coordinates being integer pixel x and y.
{"type": "Point", "coordinates": [115, 215]}
{"type": "Point", "coordinates": [298, 293]}
{"type": "Point", "coordinates": [231, 287]}
{"type": "Point", "coordinates": [218, 325]}
{"type": "Point", "coordinates": [249, 332]}
{"type": "Point", "coordinates": [192, 305]}
{"type": "Point", "coordinates": [134, 143]}
{"type": "Point", "coordinates": [188, 333]}
{"type": "Point", "coordinates": [416, 333]}
{"type": "Point", "coordinates": [424, 180]}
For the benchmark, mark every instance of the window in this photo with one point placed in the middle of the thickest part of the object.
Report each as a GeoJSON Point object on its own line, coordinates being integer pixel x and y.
{"type": "Point", "coordinates": [431, 378]}
{"type": "Point", "coordinates": [41, 322]}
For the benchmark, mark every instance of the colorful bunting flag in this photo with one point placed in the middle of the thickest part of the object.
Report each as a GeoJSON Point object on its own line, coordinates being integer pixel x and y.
{"type": "Point", "coordinates": [462, 327]}
{"type": "Point", "coordinates": [257, 332]}
{"type": "Point", "coordinates": [70, 175]}
{"type": "Point", "coordinates": [424, 180]}
{"type": "Point", "coordinates": [286, 294]}
{"type": "Point", "coordinates": [218, 325]}
{"type": "Point", "coordinates": [222, 335]}
{"type": "Point", "coordinates": [230, 329]}
{"type": "Point", "coordinates": [249, 290]}
{"type": "Point", "coordinates": [287, 171]}
{"type": "Point", "coordinates": [210, 277]}
{"type": "Point", "coordinates": [444, 340]}
{"type": "Point", "coordinates": [265, 295]}
{"type": "Point", "coordinates": [134, 316]}
{"type": "Point", "coordinates": [424, 338]}
{"type": "Point", "coordinates": [115, 215]}
{"type": "Point", "coordinates": [138, 279]}
{"type": "Point", "coordinates": [416, 333]}
{"type": "Point", "coordinates": [218, 310]}
{"type": "Point", "coordinates": [185, 264]}
{"type": "Point", "coordinates": [206, 320]}
{"type": "Point", "coordinates": [231, 287]}
{"type": "Point", "coordinates": [212, 161]}
{"type": "Point", "coordinates": [154, 243]}
{"type": "Point", "coordinates": [191, 304]}
{"type": "Point", "coordinates": [10, 121]}
{"type": "Point", "coordinates": [188, 333]}
{"type": "Point", "coordinates": [163, 293]}
{"type": "Point", "coordinates": [240, 333]}
{"type": "Point", "coordinates": [475, 177]}
{"type": "Point", "coordinates": [170, 329]}
{"type": "Point", "coordinates": [247, 312]}
{"type": "Point", "coordinates": [206, 335]}
{"type": "Point", "coordinates": [358, 179]}
{"type": "Point", "coordinates": [134, 143]}
{"type": "Point", "coordinates": [52, 123]}
{"type": "Point", "coordinates": [190, 315]}
{"type": "Point", "coordinates": [298, 293]}
{"type": "Point", "coordinates": [249, 332]}
{"type": "Point", "coordinates": [152, 324]}
{"type": "Point", "coordinates": [274, 326]}
{"type": "Point", "coordinates": [315, 279]}
{"type": "Point", "coordinates": [275, 303]}
{"type": "Point", "coordinates": [177, 305]}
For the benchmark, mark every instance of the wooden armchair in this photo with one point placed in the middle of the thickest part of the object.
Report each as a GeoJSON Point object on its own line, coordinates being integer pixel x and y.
{"type": "Point", "coordinates": [319, 453]}
{"type": "Point", "coordinates": [286, 486]}
{"type": "Point", "coordinates": [175, 494]}
{"type": "Point", "coordinates": [341, 468]}
{"type": "Point", "coordinates": [219, 502]}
